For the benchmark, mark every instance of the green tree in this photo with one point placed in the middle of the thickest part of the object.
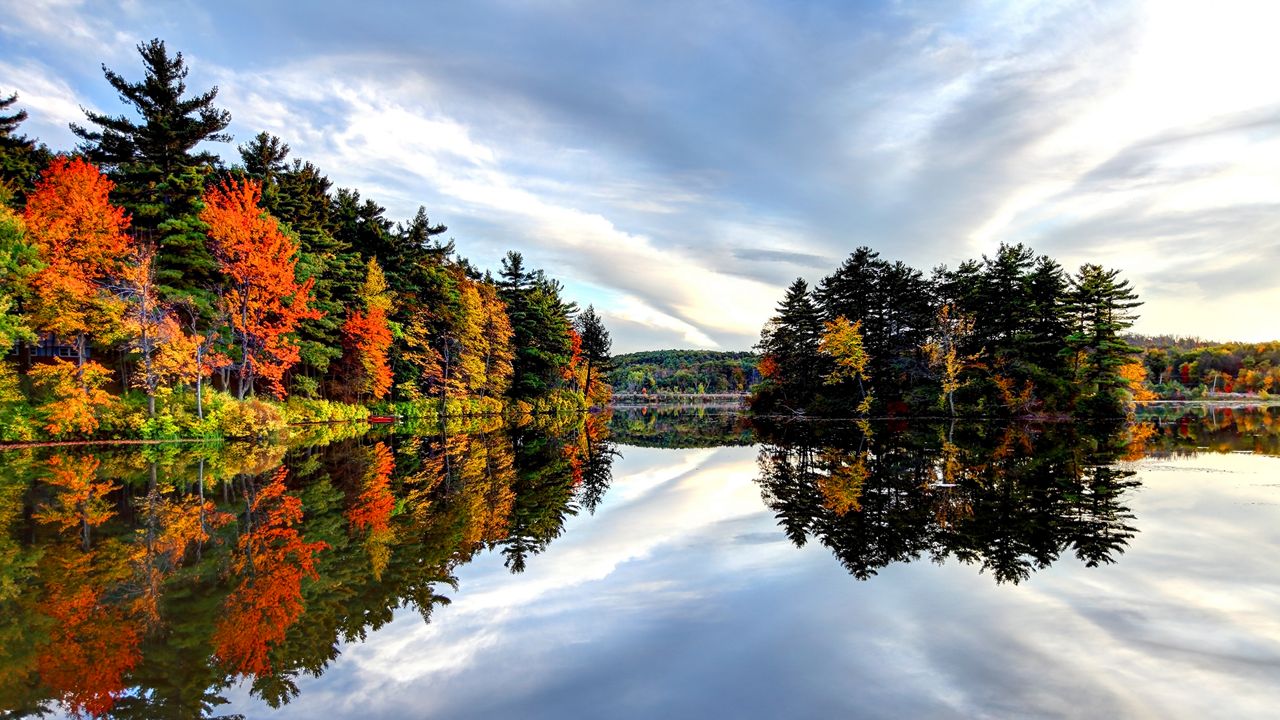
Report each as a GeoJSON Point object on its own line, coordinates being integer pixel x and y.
{"type": "Point", "coordinates": [20, 159]}
{"type": "Point", "coordinates": [159, 173]}
{"type": "Point", "coordinates": [790, 346]}
{"type": "Point", "coordinates": [596, 345]}
{"type": "Point", "coordinates": [1099, 304]}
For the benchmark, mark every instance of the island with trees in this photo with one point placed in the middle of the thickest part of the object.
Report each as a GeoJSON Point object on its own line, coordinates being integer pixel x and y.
{"type": "Point", "coordinates": [1013, 335]}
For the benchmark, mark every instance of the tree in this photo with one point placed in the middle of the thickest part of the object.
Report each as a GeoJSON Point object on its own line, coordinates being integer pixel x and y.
{"type": "Point", "coordinates": [596, 347]}
{"type": "Point", "coordinates": [264, 299]}
{"type": "Point", "coordinates": [366, 338]}
{"type": "Point", "coordinates": [1099, 305]}
{"type": "Point", "coordinates": [20, 160]}
{"type": "Point", "coordinates": [541, 323]}
{"type": "Point", "coordinates": [144, 319]}
{"type": "Point", "coordinates": [496, 333]}
{"type": "Point", "coordinates": [72, 395]}
{"type": "Point", "coordinates": [160, 175]}
{"type": "Point", "coordinates": [264, 158]}
{"type": "Point", "coordinates": [18, 262]}
{"type": "Point", "coordinates": [790, 343]}
{"type": "Point", "coordinates": [842, 342]}
{"type": "Point", "coordinates": [951, 332]}
{"type": "Point", "coordinates": [80, 237]}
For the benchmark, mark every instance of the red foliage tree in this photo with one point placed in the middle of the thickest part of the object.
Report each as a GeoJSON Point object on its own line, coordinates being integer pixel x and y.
{"type": "Point", "coordinates": [372, 508]}
{"type": "Point", "coordinates": [366, 341]}
{"type": "Point", "coordinates": [273, 559]}
{"type": "Point", "coordinates": [264, 300]}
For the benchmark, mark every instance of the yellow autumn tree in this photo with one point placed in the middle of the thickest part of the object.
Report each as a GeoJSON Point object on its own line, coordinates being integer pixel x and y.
{"type": "Point", "coordinates": [842, 342]}
{"type": "Point", "coordinates": [1135, 373]}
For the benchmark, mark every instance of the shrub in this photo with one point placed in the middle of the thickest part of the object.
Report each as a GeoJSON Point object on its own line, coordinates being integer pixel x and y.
{"type": "Point", "coordinates": [250, 418]}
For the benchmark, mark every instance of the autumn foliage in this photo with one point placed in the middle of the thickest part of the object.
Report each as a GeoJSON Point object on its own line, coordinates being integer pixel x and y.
{"type": "Point", "coordinates": [74, 396]}
{"type": "Point", "coordinates": [272, 561]}
{"type": "Point", "coordinates": [366, 339]}
{"type": "Point", "coordinates": [81, 239]}
{"type": "Point", "coordinates": [264, 301]}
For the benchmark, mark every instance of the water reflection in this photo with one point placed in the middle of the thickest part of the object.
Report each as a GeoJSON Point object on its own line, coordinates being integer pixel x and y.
{"type": "Point", "coordinates": [144, 582]}
{"type": "Point", "coordinates": [1009, 500]}
{"type": "Point", "coordinates": [148, 581]}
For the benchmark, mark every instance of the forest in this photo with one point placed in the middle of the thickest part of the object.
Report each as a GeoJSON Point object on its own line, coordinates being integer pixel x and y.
{"type": "Point", "coordinates": [1192, 369]}
{"type": "Point", "coordinates": [1013, 335]}
{"type": "Point", "coordinates": [149, 289]}
{"type": "Point", "coordinates": [683, 371]}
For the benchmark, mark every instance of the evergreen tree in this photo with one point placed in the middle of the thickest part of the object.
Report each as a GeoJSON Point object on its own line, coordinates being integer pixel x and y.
{"type": "Point", "coordinates": [159, 174]}
{"type": "Point", "coordinates": [596, 346]}
{"type": "Point", "coordinates": [541, 322]}
{"type": "Point", "coordinates": [1099, 305]}
{"type": "Point", "coordinates": [20, 159]}
{"type": "Point", "coordinates": [1003, 301]}
{"type": "Point", "coordinates": [790, 346]}
{"type": "Point", "coordinates": [263, 160]}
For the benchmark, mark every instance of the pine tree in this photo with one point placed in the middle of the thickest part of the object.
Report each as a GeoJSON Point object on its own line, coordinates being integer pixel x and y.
{"type": "Point", "coordinates": [596, 346]}
{"type": "Point", "coordinates": [790, 343]}
{"type": "Point", "coordinates": [20, 159]}
{"type": "Point", "coordinates": [1099, 305]}
{"type": "Point", "coordinates": [159, 174]}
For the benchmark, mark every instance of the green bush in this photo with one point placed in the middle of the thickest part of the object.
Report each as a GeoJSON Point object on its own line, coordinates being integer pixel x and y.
{"type": "Point", "coordinates": [302, 410]}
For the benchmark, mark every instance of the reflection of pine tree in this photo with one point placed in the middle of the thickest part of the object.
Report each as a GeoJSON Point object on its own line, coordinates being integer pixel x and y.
{"type": "Point", "coordinates": [597, 472]}
{"type": "Point", "coordinates": [545, 487]}
{"type": "Point", "coordinates": [998, 501]}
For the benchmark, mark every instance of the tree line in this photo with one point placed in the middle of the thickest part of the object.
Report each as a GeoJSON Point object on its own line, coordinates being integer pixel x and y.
{"type": "Point", "coordinates": [1011, 335]}
{"type": "Point", "coordinates": [1188, 368]}
{"type": "Point", "coordinates": [683, 371]}
{"type": "Point", "coordinates": [141, 264]}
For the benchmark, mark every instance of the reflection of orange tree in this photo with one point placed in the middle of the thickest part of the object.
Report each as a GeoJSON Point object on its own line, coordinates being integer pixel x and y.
{"type": "Point", "coordinates": [841, 484]}
{"type": "Point", "coordinates": [171, 526]}
{"type": "Point", "coordinates": [371, 510]}
{"type": "Point", "coordinates": [92, 642]}
{"type": "Point", "coordinates": [81, 497]}
{"type": "Point", "coordinates": [272, 562]}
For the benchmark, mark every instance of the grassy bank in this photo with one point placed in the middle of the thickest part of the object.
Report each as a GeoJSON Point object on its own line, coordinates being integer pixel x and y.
{"type": "Point", "coordinates": [222, 416]}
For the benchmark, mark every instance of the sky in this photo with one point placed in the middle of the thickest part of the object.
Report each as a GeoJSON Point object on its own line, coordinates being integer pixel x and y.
{"type": "Point", "coordinates": [677, 164]}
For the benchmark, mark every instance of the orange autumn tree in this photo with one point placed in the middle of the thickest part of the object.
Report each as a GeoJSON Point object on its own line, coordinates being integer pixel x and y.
{"type": "Point", "coordinates": [366, 338]}
{"type": "Point", "coordinates": [81, 242]}
{"type": "Point", "coordinates": [80, 237]}
{"type": "Point", "coordinates": [1135, 374]}
{"type": "Point", "coordinates": [264, 300]}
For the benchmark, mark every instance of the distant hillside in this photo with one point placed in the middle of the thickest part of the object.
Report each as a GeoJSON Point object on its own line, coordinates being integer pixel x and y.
{"type": "Point", "coordinates": [686, 371]}
{"type": "Point", "coordinates": [1191, 368]}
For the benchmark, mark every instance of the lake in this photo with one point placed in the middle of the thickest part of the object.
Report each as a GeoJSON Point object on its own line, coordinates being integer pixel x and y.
{"type": "Point", "coordinates": [653, 563]}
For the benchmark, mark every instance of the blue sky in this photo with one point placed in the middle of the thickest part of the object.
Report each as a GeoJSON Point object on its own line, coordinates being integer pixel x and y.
{"type": "Point", "coordinates": [677, 164]}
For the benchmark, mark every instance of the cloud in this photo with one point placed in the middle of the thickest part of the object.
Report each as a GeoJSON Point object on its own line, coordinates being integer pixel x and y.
{"type": "Point", "coordinates": [689, 163]}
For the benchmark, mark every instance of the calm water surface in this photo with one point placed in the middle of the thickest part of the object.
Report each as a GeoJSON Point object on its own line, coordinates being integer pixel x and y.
{"type": "Point", "coordinates": [658, 565]}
